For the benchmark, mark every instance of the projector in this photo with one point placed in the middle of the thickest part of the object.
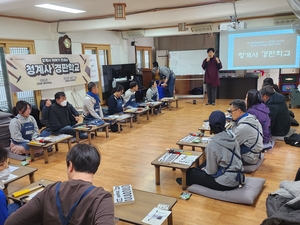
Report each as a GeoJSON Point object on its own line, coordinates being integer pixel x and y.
{"type": "Point", "coordinates": [231, 26]}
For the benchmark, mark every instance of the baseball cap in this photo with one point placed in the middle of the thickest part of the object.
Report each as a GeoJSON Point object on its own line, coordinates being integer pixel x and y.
{"type": "Point", "coordinates": [217, 117]}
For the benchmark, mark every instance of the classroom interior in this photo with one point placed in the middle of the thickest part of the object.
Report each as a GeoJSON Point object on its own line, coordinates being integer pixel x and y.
{"type": "Point", "coordinates": [127, 156]}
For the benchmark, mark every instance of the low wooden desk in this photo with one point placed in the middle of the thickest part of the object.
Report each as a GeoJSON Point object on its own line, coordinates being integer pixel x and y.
{"type": "Point", "coordinates": [118, 118]}
{"type": "Point", "coordinates": [89, 130]}
{"type": "Point", "coordinates": [138, 112]}
{"type": "Point", "coordinates": [34, 184]}
{"type": "Point", "coordinates": [20, 173]}
{"type": "Point", "coordinates": [169, 101]}
{"type": "Point", "coordinates": [182, 167]}
{"type": "Point", "coordinates": [144, 203]}
{"type": "Point", "coordinates": [151, 105]}
{"type": "Point", "coordinates": [185, 142]}
{"type": "Point", "coordinates": [203, 129]}
{"type": "Point", "coordinates": [45, 146]}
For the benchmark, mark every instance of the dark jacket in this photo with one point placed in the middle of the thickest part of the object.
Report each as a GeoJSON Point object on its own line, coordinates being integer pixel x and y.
{"type": "Point", "coordinates": [212, 72]}
{"type": "Point", "coordinates": [59, 116]}
{"type": "Point", "coordinates": [112, 104]}
{"type": "Point", "coordinates": [261, 111]}
{"type": "Point", "coordinates": [279, 115]}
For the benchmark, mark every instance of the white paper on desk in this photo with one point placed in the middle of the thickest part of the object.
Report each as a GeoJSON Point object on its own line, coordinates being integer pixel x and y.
{"type": "Point", "coordinates": [13, 168]}
{"type": "Point", "coordinates": [11, 176]}
{"type": "Point", "coordinates": [185, 159]}
{"type": "Point", "coordinates": [156, 216]}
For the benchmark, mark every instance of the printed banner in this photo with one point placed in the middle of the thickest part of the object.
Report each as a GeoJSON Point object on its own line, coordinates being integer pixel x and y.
{"type": "Point", "coordinates": [94, 68]}
{"type": "Point", "coordinates": [38, 72]}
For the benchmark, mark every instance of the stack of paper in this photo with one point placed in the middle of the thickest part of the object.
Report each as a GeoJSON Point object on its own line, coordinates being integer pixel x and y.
{"type": "Point", "coordinates": [185, 159]}
{"type": "Point", "coordinates": [123, 194]}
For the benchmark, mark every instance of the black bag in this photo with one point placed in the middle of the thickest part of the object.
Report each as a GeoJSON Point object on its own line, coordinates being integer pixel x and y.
{"type": "Point", "coordinates": [293, 140]}
{"type": "Point", "coordinates": [114, 127]}
{"type": "Point", "coordinates": [197, 91]}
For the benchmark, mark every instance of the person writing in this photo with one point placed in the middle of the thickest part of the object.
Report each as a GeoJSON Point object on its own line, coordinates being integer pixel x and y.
{"type": "Point", "coordinates": [115, 101]}
{"type": "Point", "coordinates": [168, 76]}
{"type": "Point", "coordinates": [55, 204]}
{"type": "Point", "coordinates": [211, 65]}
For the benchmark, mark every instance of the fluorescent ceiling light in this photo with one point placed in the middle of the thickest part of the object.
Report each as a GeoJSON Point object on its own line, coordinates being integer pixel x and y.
{"type": "Point", "coordinates": [59, 8]}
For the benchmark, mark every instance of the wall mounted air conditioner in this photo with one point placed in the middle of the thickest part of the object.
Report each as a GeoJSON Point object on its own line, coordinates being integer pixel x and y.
{"type": "Point", "coordinates": [202, 28]}
{"type": "Point", "coordinates": [135, 33]}
{"type": "Point", "coordinates": [284, 20]}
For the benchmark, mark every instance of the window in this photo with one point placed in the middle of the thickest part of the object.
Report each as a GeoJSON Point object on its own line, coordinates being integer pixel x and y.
{"type": "Point", "coordinates": [103, 57]}
{"type": "Point", "coordinates": [143, 57]}
{"type": "Point", "coordinates": [8, 100]}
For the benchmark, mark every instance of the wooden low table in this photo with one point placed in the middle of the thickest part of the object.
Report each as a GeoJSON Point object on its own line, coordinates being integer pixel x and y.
{"type": "Point", "coordinates": [32, 185]}
{"type": "Point", "coordinates": [188, 140]}
{"type": "Point", "coordinates": [144, 203]}
{"type": "Point", "coordinates": [89, 129]}
{"type": "Point", "coordinates": [157, 164]}
{"type": "Point", "coordinates": [138, 112]}
{"type": "Point", "coordinates": [169, 100]}
{"type": "Point", "coordinates": [118, 118]}
{"type": "Point", "coordinates": [46, 146]}
{"type": "Point", "coordinates": [21, 172]}
{"type": "Point", "coordinates": [151, 105]}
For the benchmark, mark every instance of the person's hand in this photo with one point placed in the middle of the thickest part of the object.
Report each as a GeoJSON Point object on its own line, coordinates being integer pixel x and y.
{"type": "Point", "coordinates": [3, 165]}
{"type": "Point", "coordinates": [208, 59]}
{"type": "Point", "coordinates": [217, 59]}
{"type": "Point", "coordinates": [203, 168]}
{"type": "Point", "coordinates": [164, 84]}
{"type": "Point", "coordinates": [76, 118]}
{"type": "Point", "coordinates": [48, 103]}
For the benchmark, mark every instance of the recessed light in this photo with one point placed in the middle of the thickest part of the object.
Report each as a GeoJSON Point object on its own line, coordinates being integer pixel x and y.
{"type": "Point", "coordinates": [59, 8]}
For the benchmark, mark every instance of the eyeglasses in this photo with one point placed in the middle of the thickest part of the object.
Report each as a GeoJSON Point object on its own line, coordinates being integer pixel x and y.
{"type": "Point", "coordinates": [231, 111]}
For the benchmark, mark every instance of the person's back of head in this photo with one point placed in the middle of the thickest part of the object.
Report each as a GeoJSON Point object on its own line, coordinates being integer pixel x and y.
{"type": "Point", "coordinates": [155, 64]}
{"type": "Point", "coordinates": [59, 94]}
{"type": "Point", "coordinates": [253, 98]}
{"type": "Point", "coordinates": [239, 104]}
{"type": "Point", "coordinates": [84, 158]}
{"type": "Point", "coordinates": [3, 155]}
{"type": "Point", "coordinates": [269, 82]}
{"type": "Point", "coordinates": [267, 91]}
{"type": "Point", "coordinates": [91, 85]}
{"type": "Point", "coordinates": [217, 121]}
{"type": "Point", "coordinates": [132, 84]}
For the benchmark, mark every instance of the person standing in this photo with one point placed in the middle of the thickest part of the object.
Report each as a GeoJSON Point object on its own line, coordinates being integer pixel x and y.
{"type": "Point", "coordinates": [168, 76]}
{"type": "Point", "coordinates": [211, 65]}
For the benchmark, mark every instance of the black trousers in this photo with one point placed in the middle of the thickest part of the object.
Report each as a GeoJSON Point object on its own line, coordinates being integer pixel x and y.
{"type": "Point", "coordinates": [211, 93]}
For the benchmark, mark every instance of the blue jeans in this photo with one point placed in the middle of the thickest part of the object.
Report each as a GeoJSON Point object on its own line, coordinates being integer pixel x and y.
{"type": "Point", "coordinates": [170, 86]}
{"type": "Point", "coordinates": [70, 130]}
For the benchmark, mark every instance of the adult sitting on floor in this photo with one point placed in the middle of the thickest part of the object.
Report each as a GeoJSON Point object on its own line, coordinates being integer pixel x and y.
{"type": "Point", "coordinates": [62, 116]}
{"type": "Point", "coordinates": [248, 132]}
{"type": "Point", "coordinates": [129, 96]}
{"type": "Point", "coordinates": [257, 107]}
{"type": "Point", "coordinates": [75, 201]}
{"type": "Point", "coordinates": [23, 128]}
{"type": "Point", "coordinates": [115, 101]}
{"type": "Point", "coordinates": [279, 112]}
{"type": "Point", "coordinates": [223, 168]}
{"type": "Point", "coordinates": [91, 104]}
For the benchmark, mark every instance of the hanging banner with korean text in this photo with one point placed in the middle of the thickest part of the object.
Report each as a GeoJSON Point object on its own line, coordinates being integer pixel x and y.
{"type": "Point", "coordinates": [38, 72]}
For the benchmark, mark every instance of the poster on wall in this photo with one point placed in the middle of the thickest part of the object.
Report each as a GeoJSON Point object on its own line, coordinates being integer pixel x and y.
{"type": "Point", "coordinates": [39, 72]}
{"type": "Point", "coordinates": [94, 68]}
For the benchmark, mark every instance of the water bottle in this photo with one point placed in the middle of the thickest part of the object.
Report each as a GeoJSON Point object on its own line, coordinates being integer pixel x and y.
{"type": "Point", "coordinates": [114, 83]}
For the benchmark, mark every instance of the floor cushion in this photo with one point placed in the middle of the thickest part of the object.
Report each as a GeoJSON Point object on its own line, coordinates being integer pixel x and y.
{"type": "Point", "coordinates": [281, 138]}
{"type": "Point", "coordinates": [245, 195]}
{"type": "Point", "coordinates": [252, 168]}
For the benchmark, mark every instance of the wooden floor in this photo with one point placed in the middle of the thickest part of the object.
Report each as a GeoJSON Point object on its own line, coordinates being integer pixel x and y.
{"type": "Point", "coordinates": [126, 158]}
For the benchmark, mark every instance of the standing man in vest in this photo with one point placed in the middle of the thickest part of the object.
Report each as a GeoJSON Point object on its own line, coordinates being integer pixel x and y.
{"type": "Point", "coordinates": [211, 65]}
{"type": "Point", "coordinates": [91, 104]}
{"type": "Point", "coordinates": [168, 76]}
{"type": "Point", "coordinates": [76, 201]}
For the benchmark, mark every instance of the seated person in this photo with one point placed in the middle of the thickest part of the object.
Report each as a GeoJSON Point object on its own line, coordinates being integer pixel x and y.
{"type": "Point", "coordinates": [115, 101]}
{"type": "Point", "coordinates": [4, 174]}
{"type": "Point", "coordinates": [23, 128]}
{"type": "Point", "coordinates": [62, 116]}
{"type": "Point", "coordinates": [152, 95]}
{"type": "Point", "coordinates": [279, 112]}
{"type": "Point", "coordinates": [53, 205]}
{"type": "Point", "coordinates": [223, 168]}
{"type": "Point", "coordinates": [248, 132]}
{"type": "Point", "coordinates": [256, 107]}
{"type": "Point", "coordinates": [269, 82]}
{"type": "Point", "coordinates": [129, 96]}
{"type": "Point", "coordinates": [91, 104]}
